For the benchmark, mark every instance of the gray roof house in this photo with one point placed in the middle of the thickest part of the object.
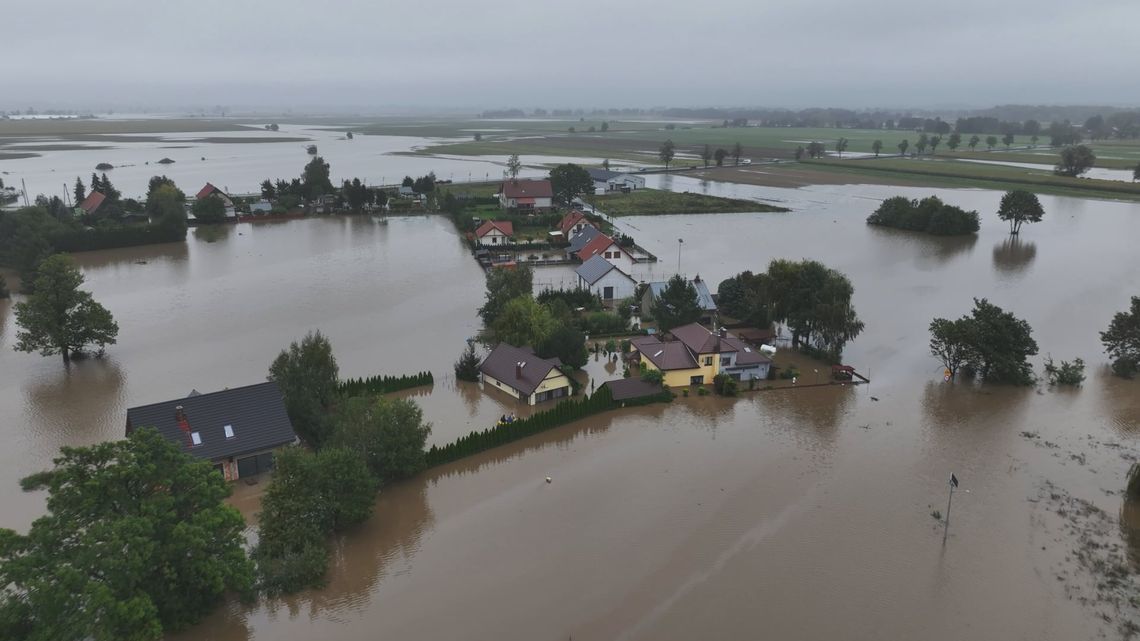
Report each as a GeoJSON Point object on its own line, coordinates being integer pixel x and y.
{"type": "Point", "coordinates": [603, 278]}
{"type": "Point", "coordinates": [236, 429]}
{"type": "Point", "coordinates": [583, 238]}
{"type": "Point", "coordinates": [704, 297]}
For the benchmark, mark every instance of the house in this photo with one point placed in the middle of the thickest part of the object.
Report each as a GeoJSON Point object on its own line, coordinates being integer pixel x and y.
{"type": "Point", "coordinates": [629, 389]}
{"type": "Point", "coordinates": [520, 373]}
{"type": "Point", "coordinates": [495, 232]}
{"type": "Point", "coordinates": [573, 223]}
{"type": "Point", "coordinates": [235, 429]}
{"type": "Point", "coordinates": [261, 207]}
{"type": "Point", "coordinates": [606, 181]}
{"type": "Point", "coordinates": [579, 242]}
{"type": "Point", "coordinates": [407, 192]}
{"type": "Point", "coordinates": [704, 298]}
{"type": "Point", "coordinates": [211, 190]}
{"type": "Point", "coordinates": [606, 247]}
{"type": "Point", "coordinates": [92, 202]}
{"type": "Point", "coordinates": [526, 194]}
{"type": "Point", "coordinates": [694, 355]}
{"type": "Point", "coordinates": [605, 279]}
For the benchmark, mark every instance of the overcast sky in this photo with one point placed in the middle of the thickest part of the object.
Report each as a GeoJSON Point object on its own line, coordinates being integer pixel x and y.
{"type": "Point", "coordinates": [528, 53]}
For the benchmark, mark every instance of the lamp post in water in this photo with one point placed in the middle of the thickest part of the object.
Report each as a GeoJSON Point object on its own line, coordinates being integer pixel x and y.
{"type": "Point", "coordinates": [946, 524]}
{"type": "Point", "coordinates": [680, 241]}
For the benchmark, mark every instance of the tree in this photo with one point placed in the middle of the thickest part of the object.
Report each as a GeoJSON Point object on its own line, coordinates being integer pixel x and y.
{"type": "Point", "coordinates": [903, 147]}
{"type": "Point", "coordinates": [799, 154]}
{"type": "Point", "coordinates": [108, 189]}
{"type": "Point", "coordinates": [1019, 207]}
{"type": "Point", "coordinates": [467, 367]}
{"type": "Point", "coordinates": [167, 208]}
{"type": "Point", "coordinates": [934, 142]}
{"type": "Point", "coordinates": [1136, 172]}
{"type": "Point", "coordinates": [1070, 373]}
{"type": "Point", "coordinates": [876, 147]}
{"type": "Point", "coordinates": [504, 285]}
{"type": "Point", "coordinates": [357, 194]}
{"type": "Point", "coordinates": [1033, 140]}
{"type": "Point", "coordinates": [389, 433]}
{"type": "Point", "coordinates": [952, 343]}
{"type": "Point", "coordinates": [1075, 160]}
{"type": "Point", "coordinates": [974, 140]}
{"type": "Point", "coordinates": [311, 496]}
{"type": "Point", "coordinates": [1007, 140]}
{"type": "Point", "coordinates": [706, 155]}
{"type": "Point", "coordinates": [308, 376]}
{"type": "Point", "coordinates": [605, 126]}
{"type": "Point", "coordinates": [137, 539]}
{"type": "Point", "coordinates": [570, 181]}
{"type": "Point", "coordinates": [720, 155]}
{"type": "Point", "coordinates": [954, 141]}
{"type": "Point", "coordinates": [815, 149]}
{"type": "Point", "coordinates": [408, 181]}
{"type": "Point", "coordinates": [666, 153]}
{"type": "Point", "coordinates": [841, 146]}
{"type": "Point", "coordinates": [210, 209]}
{"type": "Point", "coordinates": [991, 142]}
{"type": "Point", "coordinates": [1122, 340]}
{"type": "Point", "coordinates": [80, 191]}
{"type": "Point", "coordinates": [95, 185]}
{"type": "Point", "coordinates": [606, 164]}
{"type": "Point", "coordinates": [60, 318]}
{"type": "Point", "coordinates": [923, 141]}
{"type": "Point", "coordinates": [523, 322]}
{"type": "Point", "coordinates": [156, 202]}
{"type": "Point", "coordinates": [737, 152]}
{"type": "Point", "coordinates": [514, 165]}
{"type": "Point", "coordinates": [315, 180]}
{"type": "Point", "coordinates": [424, 184]}
{"type": "Point", "coordinates": [267, 190]}
{"type": "Point", "coordinates": [677, 305]}
{"type": "Point", "coordinates": [565, 343]}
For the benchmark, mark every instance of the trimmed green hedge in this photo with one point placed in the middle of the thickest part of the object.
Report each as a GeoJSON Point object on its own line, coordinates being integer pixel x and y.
{"type": "Point", "coordinates": [565, 412]}
{"type": "Point", "coordinates": [383, 384]}
{"type": "Point", "coordinates": [88, 240]}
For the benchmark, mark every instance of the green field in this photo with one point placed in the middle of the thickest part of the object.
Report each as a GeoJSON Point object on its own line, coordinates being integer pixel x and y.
{"type": "Point", "coordinates": [650, 202]}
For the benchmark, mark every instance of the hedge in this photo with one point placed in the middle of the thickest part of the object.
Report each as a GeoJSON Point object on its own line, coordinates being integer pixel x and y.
{"type": "Point", "coordinates": [565, 412]}
{"type": "Point", "coordinates": [87, 240]}
{"type": "Point", "coordinates": [383, 384]}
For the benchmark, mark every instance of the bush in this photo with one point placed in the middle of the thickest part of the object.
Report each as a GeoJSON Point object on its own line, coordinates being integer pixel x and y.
{"type": "Point", "coordinates": [611, 346]}
{"type": "Point", "coordinates": [928, 215]}
{"type": "Point", "coordinates": [1125, 367]}
{"type": "Point", "coordinates": [789, 373]}
{"type": "Point", "coordinates": [653, 376]}
{"type": "Point", "coordinates": [1133, 490]}
{"type": "Point", "coordinates": [4, 293]}
{"type": "Point", "coordinates": [702, 391]}
{"type": "Point", "coordinates": [725, 385]}
{"type": "Point", "coordinates": [1068, 373]}
{"type": "Point", "coordinates": [115, 237]}
{"type": "Point", "coordinates": [467, 367]}
{"type": "Point", "coordinates": [600, 323]}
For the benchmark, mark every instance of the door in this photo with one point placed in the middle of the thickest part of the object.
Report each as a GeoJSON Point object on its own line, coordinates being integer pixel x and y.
{"type": "Point", "coordinates": [607, 293]}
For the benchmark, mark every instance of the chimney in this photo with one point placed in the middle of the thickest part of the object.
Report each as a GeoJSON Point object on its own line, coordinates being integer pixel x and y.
{"type": "Point", "coordinates": [183, 424]}
{"type": "Point", "coordinates": [518, 369]}
{"type": "Point", "coordinates": [723, 332]}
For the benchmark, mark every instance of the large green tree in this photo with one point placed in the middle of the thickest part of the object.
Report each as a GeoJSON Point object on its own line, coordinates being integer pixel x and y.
{"type": "Point", "coordinates": [60, 318]}
{"type": "Point", "coordinates": [1075, 160]}
{"type": "Point", "coordinates": [1122, 340]}
{"type": "Point", "coordinates": [565, 343]}
{"type": "Point", "coordinates": [570, 181]}
{"type": "Point", "coordinates": [167, 209]}
{"type": "Point", "coordinates": [308, 376]}
{"type": "Point", "coordinates": [666, 153]}
{"type": "Point", "coordinates": [876, 147]}
{"type": "Point", "coordinates": [952, 343]}
{"type": "Point", "coordinates": [26, 240]}
{"type": "Point", "coordinates": [523, 322]}
{"type": "Point", "coordinates": [158, 190]}
{"type": "Point", "coordinates": [389, 433]}
{"type": "Point", "coordinates": [137, 539]}
{"type": "Point", "coordinates": [677, 305]}
{"type": "Point", "coordinates": [504, 285]}
{"type": "Point", "coordinates": [315, 179]}
{"type": "Point", "coordinates": [1019, 207]}
{"type": "Point", "coordinates": [210, 209]}
{"type": "Point", "coordinates": [991, 342]}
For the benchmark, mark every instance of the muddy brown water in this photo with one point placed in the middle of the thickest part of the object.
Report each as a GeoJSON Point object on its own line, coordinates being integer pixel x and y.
{"type": "Point", "coordinates": [793, 514]}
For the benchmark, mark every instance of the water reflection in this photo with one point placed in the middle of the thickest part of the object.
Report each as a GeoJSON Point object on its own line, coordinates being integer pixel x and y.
{"type": "Point", "coordinates": [1014, 255]}
{"type": "Point", "coordinates": [93, 384]}
{"type": "Point", "coordinates": [932, 251]}
{"type": "Point", "coordinates": [813, 414]}
{"type": "Point", "coordinates": [172, 253]}
{"type": "Point", "coordinates": [212, 233]}
{"type": "Point", "coordinates": [1120, 402]}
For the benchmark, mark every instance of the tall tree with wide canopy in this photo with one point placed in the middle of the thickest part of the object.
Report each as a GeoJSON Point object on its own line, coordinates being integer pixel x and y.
{"type": "Point", "coordinates": [389, 433]}
{"type": "Point", "coordinates": [308, 375]}
{"type": "Point", "coordinates": [315, 179]}
{"type": "Point", "coordinates": [60, 318]}
{"type": "Point", "coordinates": [569, 181]}
{"type": "Point", "coordinates": [1019, 207]}
{"type": "Point", "coordinates": [1122, 340]}
{"type": "Point", "coordinates": [677, 305]}
{"type": "Point", "coordinates": [1075, 160]}
{"type": "Point", "coordinates": [137, 539]}
{"type": "Point", "coordinates": [666, 153]}
{"type": "Point", "coordinates": [504, 285]}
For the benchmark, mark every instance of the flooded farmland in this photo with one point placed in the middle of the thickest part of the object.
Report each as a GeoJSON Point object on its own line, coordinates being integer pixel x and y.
{"type": "Point", "coordinates": [786, 514]}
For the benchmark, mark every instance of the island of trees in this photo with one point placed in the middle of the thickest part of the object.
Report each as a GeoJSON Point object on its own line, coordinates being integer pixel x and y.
{"type": "Point", "coordinates": [929, 215]}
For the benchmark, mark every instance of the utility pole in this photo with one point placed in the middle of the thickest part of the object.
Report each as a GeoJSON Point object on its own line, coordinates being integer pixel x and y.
{"type": "Point", "coordinates": [949, 501]}
{"type": "Point", "coordinates": [680, 241]}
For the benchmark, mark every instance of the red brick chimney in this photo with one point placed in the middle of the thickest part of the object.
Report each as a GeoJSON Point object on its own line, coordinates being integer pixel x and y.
{"type": "Point", "coordinates": [519, 368]}
{"type": "Point", "coordinates": [183, 424]}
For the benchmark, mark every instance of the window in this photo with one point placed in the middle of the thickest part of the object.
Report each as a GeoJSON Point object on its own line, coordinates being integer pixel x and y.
{"type": "Point", "coordinates": [708, 360]}
{"type": "Point", "coordinates": [229, 431]}
{"type": "Point", "coordinates": [195, 438]}
{"type": "Point", "coordinates": [726, 361]}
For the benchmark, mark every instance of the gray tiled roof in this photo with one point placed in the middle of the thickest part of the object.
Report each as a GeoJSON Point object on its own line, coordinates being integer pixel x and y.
{"type": "Point", "coordinates": [624, 389]}
{"type": "Point", "coordinates": [602, 174]}
{"type": "Point", "coordinates": [583, 238]}
{"type": "Point", "coordinates": [704, 297]}
{"type": "Point", "coordinates": [255, 412]}
{"type": "Point", "coordinates": [594, 269]}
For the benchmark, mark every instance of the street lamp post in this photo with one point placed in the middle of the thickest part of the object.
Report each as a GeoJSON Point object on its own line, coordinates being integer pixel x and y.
{"type": "Point", "coordinates": [680, 241]}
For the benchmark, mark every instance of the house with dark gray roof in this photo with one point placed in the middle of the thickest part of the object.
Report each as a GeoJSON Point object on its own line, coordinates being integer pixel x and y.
{"type": "Point", "coordinates": [520, 373]}
{"type": "Point", "coordinates": [235, 429]}
{"type": "Point", "coordinates": [605, 279]}
{"type": "Point", "coordinates": [704, 298]}
{"type": "Point", "coordinates": [628, 389]}
{"type": "Point", "coordinates": [581, 239]}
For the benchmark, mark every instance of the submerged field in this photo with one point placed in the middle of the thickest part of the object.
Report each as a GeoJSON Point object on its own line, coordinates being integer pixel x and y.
{"type": "Point", "coordinates": [649, 202]}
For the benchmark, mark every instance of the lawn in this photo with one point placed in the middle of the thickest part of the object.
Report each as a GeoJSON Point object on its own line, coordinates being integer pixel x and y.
{"type": "Point", "coordinates": [649, 202]}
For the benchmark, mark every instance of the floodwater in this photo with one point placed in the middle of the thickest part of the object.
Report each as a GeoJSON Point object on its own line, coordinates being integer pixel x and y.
{"type": "Point", "coordinates": [240, 167]}
{"type": "Point", "coordinates": [1124, 175]}
{"type": "Point", "coordinates": [802, 513]}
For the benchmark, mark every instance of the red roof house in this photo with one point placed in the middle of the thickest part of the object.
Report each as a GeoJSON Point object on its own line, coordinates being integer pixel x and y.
{"type": "Point", "coordinates": [572, 223]}
{"type": "Point", "coordinates": [495, 232]}
{"type": "Point", "coordinates": [604, 246]}
{"type": "Point", "coordinates": [211, 190]}
{"type": "Point", "coordinates": [92, 202]}
{"type": "Point", "coordinates": [526, 194]}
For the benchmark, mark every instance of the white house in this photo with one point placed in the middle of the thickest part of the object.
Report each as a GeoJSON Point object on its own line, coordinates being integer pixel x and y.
{"type": "Point", "coordinates": [606, 247]}
{"type": "Point", "coordinates": [606, 180]}
{"type": "Point", "coordinates": [603, 278]}
{"type": "Point", "coordinates": [526, 194]}
{"type": "Point", "coordinates": [494, 233]}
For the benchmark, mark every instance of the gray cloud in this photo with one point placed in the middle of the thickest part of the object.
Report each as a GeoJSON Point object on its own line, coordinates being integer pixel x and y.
{"type": "Point", "coordinates": [588, 53]}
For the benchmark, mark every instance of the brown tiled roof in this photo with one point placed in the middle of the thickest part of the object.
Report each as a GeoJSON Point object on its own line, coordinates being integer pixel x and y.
{"type": "Point", "coordinates": [665, 356]}
{"type": "Point", "coordinates": [527, 189]}
{"type": "Point", "coordinates": [505, 226]}
{"type": "Point", "coordinates": [697, 338]}
{"type": "Point", "coordinates": [92, 201]}
{"type": "Point", "coordinates": [502, 363]}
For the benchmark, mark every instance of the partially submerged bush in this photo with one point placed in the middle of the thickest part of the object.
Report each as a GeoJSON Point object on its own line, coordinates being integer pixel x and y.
{"type": "Point", "coordinates": [1067, 373]}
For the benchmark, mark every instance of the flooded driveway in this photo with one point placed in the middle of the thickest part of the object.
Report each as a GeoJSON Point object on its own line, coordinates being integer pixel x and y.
{"type": "Point", "coordinates": [796, 514]}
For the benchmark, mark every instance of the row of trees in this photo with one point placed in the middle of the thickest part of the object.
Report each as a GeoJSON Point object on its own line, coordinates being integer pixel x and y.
{"type": "Point", "coordinates": [813, 300]}
{"type": "Point", "coordinates": [929, 215]}
{"type": "Point", "coordinates": [668, 151]}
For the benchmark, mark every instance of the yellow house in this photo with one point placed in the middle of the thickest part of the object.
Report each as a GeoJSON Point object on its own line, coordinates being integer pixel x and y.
{"type": "Point", "coordinates": [695, 355]}
{"type": "Point", "coordinates": [522, 374]}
